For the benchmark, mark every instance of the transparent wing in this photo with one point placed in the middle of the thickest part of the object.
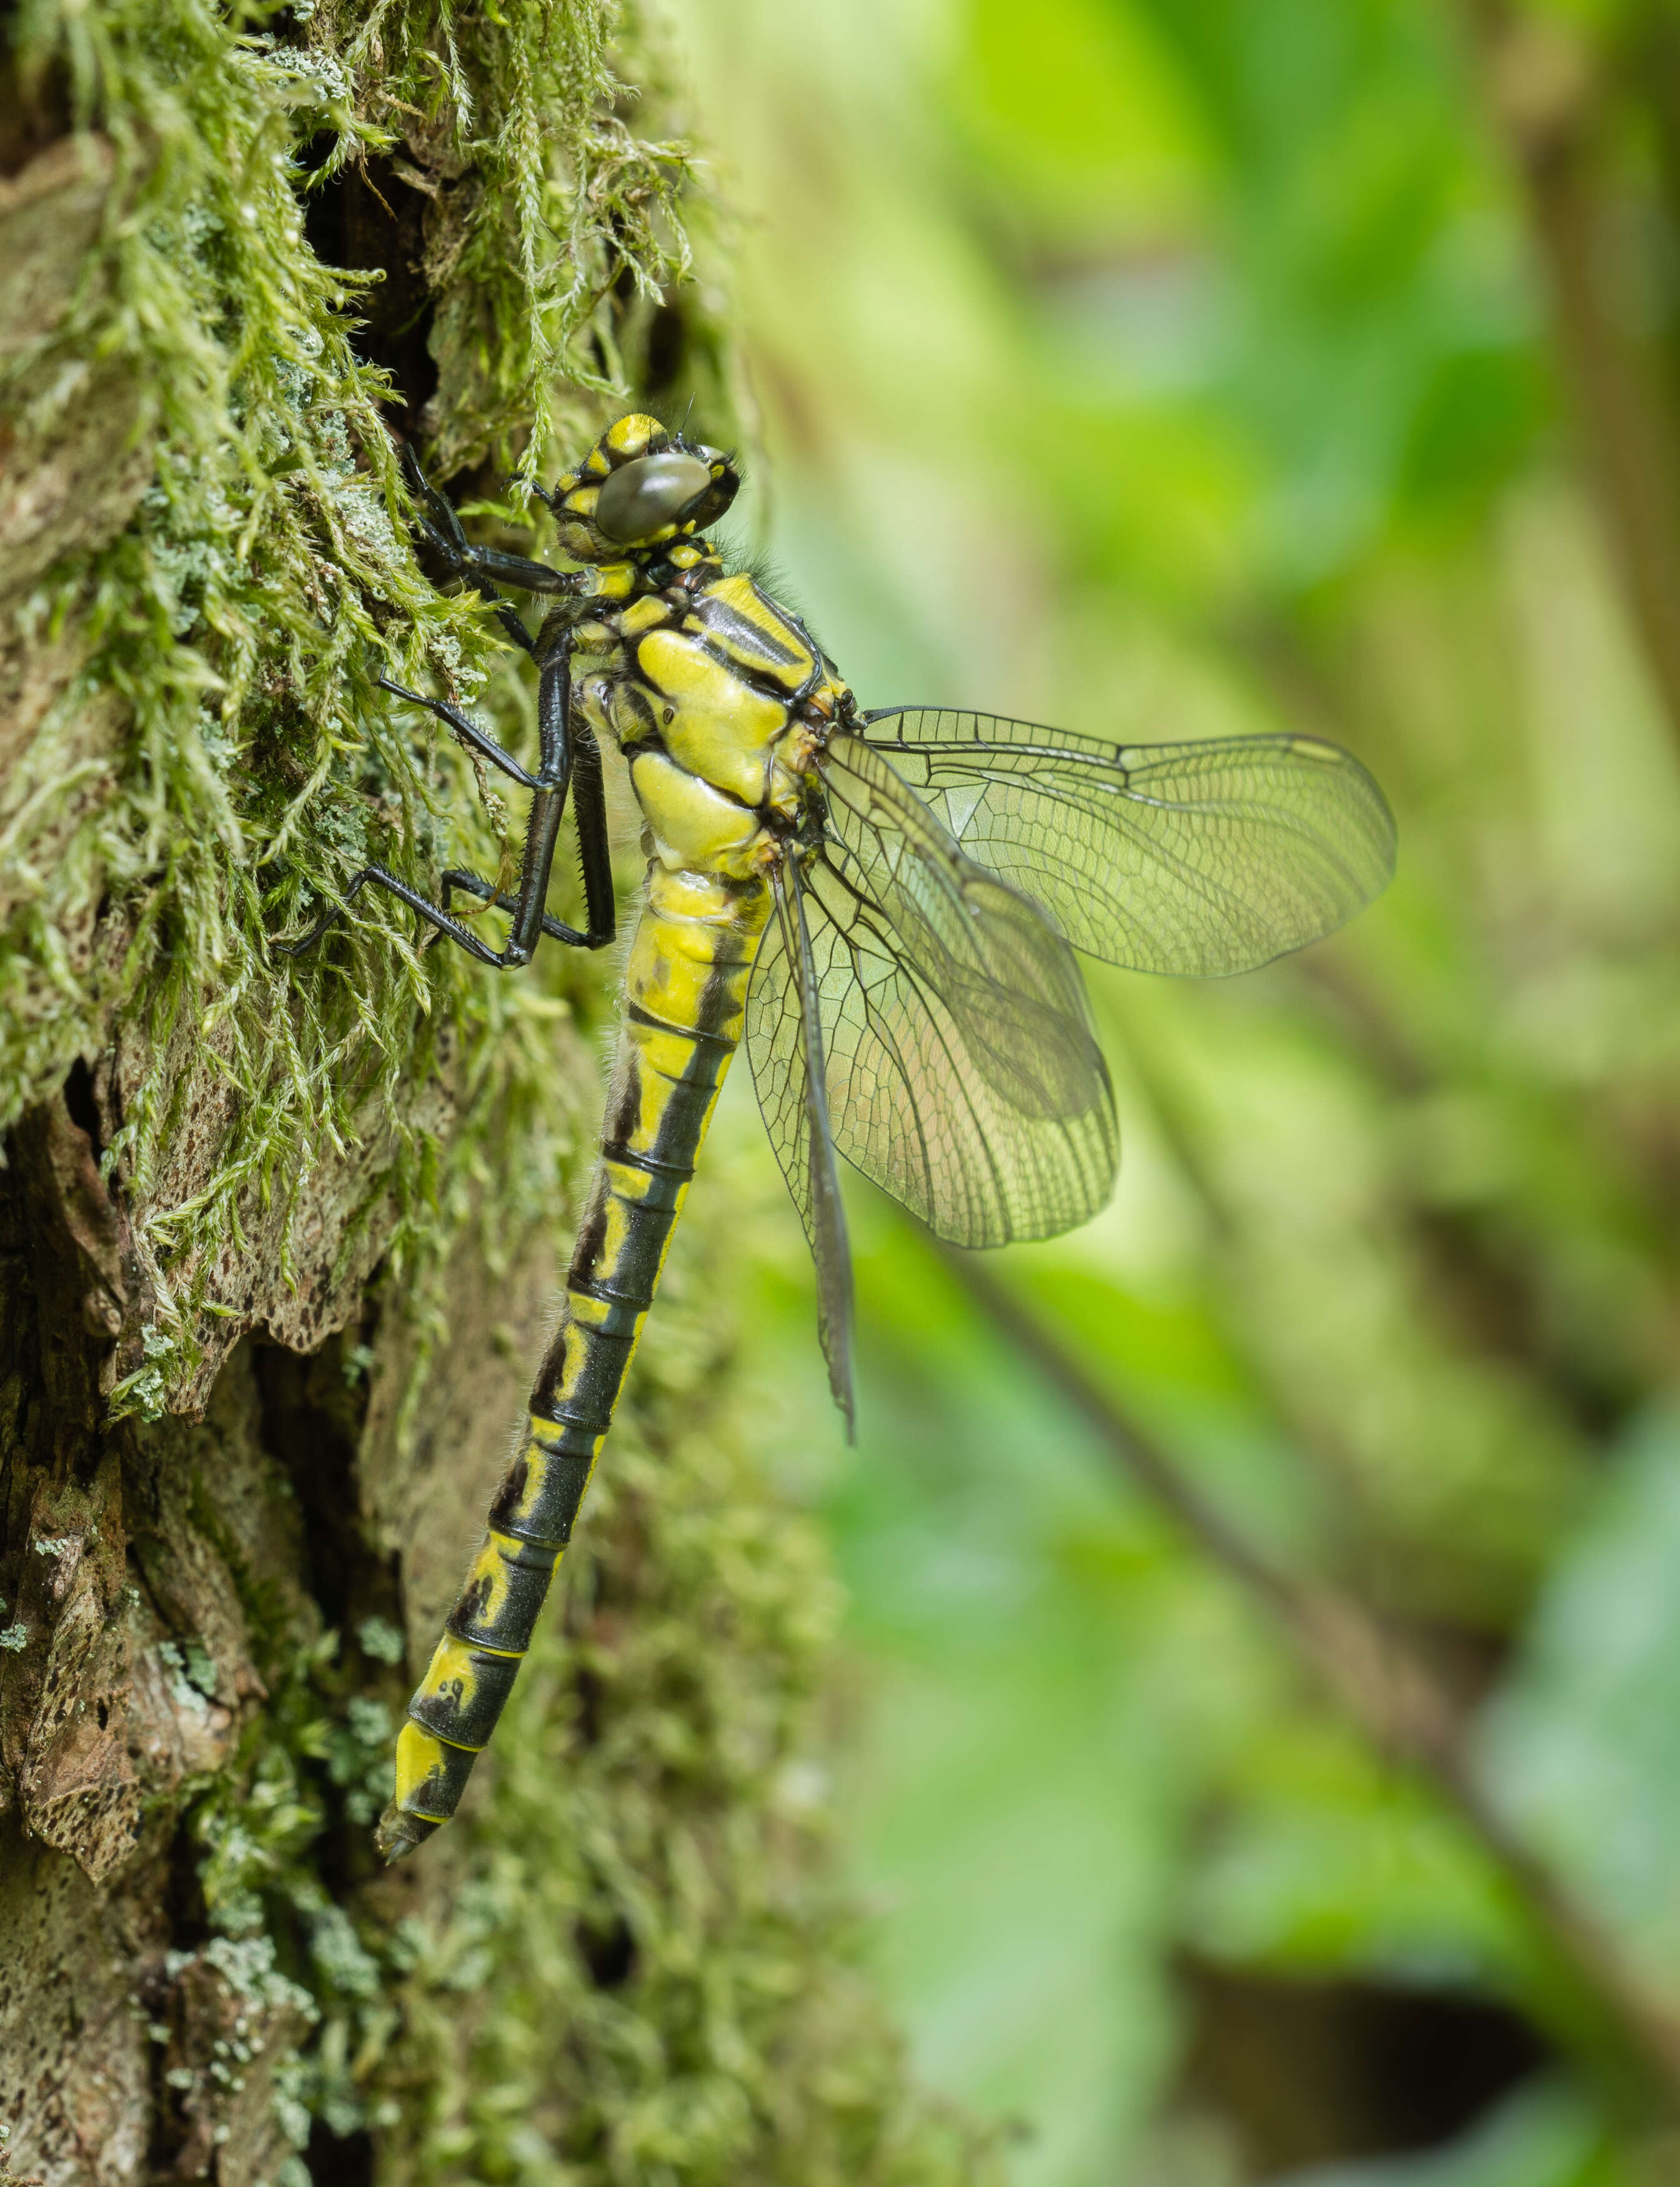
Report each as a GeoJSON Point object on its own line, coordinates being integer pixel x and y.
{"type": "Point", "coordinates": [785, 1038]}
{"type": "Point", "coordinates": [1198, 859]}
{"type": "Point", "coordinates": [961, 1073]}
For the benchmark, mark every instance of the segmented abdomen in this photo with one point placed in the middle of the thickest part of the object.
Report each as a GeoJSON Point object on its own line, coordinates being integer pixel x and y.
{"type": "Point", "coordinates": [684, 1005]}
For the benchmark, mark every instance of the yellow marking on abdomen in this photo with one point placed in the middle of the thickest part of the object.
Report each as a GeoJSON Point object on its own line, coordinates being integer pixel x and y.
{"type": "Point", "coordinates": [685, 994]}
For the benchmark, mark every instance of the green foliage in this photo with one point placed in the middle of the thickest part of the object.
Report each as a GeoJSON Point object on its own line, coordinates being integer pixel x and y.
{"type": "Point", "coordinates": [568, 202]}
{"type": "Point", "coordinates": [316, 1760]}
{"type": "Point", "coordinates": [1232, 408]}
{"type": "Point", "coordinates": [1581, 1738]}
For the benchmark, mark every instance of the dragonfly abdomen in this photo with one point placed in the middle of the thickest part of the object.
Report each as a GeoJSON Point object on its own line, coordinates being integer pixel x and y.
{"type": "Point", "coordinates": [685, 1003]}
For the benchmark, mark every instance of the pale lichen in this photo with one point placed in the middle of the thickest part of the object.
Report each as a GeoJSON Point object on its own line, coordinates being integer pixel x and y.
{"type": "Point", "coordinates": [649, 1977]}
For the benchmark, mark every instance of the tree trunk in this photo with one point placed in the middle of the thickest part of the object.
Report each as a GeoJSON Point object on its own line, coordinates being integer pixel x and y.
{"type": "Point", "coordinates": [279, 1237]}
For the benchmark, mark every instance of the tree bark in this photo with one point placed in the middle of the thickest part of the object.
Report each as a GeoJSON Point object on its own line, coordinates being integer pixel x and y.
{"type": "Point", "coordinates": [277, 1245]}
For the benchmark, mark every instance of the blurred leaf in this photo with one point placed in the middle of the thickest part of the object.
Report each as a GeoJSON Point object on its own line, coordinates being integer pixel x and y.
{"type": "Point", "coordinates": [1582, 1742]}
{"type": "Point", "coordinates": [1329, 1865]}
{"type": "Point", "coordinates": [1170, 368]}
{"type": "Point", "coordinates": [1543, 2136]}
{"type": "Point", "coordinates": [1076, 116]}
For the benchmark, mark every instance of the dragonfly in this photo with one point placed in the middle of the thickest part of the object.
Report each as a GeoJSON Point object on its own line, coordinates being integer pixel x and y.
{"type": "Point", "coordinates": [884, 906]}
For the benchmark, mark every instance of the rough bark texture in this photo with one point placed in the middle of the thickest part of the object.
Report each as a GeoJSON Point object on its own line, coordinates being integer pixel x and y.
{"type": "Point", "coordinates": [277, 1244]}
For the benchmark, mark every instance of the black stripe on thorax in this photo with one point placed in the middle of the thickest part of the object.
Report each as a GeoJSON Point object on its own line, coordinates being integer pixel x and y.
{"type": "Point", "coordinates": [762, 682]}
{"type": "Point", "coordinates": [714, 636]}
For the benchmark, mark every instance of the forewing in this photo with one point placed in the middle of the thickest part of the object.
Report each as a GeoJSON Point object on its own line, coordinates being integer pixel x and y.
{"type": "Point", "coordinates": [962, 1075]}
{"type": "Point", "coordinates": [1203, 857]}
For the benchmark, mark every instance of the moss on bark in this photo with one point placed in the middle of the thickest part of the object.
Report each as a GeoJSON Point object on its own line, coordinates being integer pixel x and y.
{"type": "Point", "coordinates": [277, 1242]}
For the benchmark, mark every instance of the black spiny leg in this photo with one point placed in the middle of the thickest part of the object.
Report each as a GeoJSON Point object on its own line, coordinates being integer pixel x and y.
{"type": "Point", "coordinates": [441, 527]}
{"type": "Point", "coordinates": [484, 567]}
{"type": "Point", "coordinates": [383, 879]}
{"type": "Point", "coordinates": [463, 726]}
{"type": "Point", "coordinates": [594, 849]}
{"type": "Point", "coordinates": [569, 745]}
{"type": "Point", "coordinates": [486, 893]}
{"type": "Point", "coordinates": [562, 741]}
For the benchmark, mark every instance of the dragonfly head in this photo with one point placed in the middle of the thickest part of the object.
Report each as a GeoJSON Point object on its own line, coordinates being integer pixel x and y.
{"type": "Point", "coordinates": [639, 487]}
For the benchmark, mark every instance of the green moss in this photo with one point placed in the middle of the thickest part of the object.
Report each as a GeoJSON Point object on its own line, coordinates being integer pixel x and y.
{"type": "Point", "coordinates": [303, 1777]}
{"type": "Point", "coordinates": [645, 1974]}
{"type": "Point", "coordinates": [635, 1967]}
{"type": "Point", "coordinates": [239, 622]}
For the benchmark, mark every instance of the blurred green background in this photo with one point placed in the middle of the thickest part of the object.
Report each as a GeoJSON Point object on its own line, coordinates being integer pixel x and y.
{"type": "Point", "coordinates": [1160, 368]}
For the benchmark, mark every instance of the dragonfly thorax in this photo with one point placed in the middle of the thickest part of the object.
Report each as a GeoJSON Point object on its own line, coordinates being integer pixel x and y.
{"type": "Point", "coordinates": [717, 696]}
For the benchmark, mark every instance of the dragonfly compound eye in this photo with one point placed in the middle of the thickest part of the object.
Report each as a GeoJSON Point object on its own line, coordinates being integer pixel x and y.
{"type": "Point", "coordinates": [642, 496]}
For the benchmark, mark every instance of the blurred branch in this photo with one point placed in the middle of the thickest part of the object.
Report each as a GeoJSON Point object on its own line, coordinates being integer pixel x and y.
{"type": "Point", "coordinates": [1383, 1686]}
{"type": "Point", "coordinates": [1652, 62]}
{"type": "Point", "coordinates": [1550, 102]}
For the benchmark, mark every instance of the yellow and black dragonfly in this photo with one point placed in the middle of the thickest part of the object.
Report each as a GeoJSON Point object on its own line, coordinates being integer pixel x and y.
{"type": "Point", "coordinates": [884, 905]}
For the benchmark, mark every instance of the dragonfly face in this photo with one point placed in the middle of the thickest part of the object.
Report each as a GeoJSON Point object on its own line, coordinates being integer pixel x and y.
{"type": "Point", "coordinates": [638, 487]}
{"type": "Point", "coordinates": [882, 906]}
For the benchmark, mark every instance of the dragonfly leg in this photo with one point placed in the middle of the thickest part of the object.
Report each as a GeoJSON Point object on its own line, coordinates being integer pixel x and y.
{"type": "Point", "coordinates": [594, 852]}
{"type": "Point", "coordinates": [464, 726]}
{"type": "Point", "coordinates": [379, 877]}
{"type": "Point", "coordinates": [440, 528]}
{"type": "Point", "coordinates": [488, 892]}
{"type": "Point", "coordinates": [444, 920]}
{"type": "Point", "coordinates": [550, 501]}
{"type": "Point", "coordinates": [483, 566]}
{"type": "Point", "coordinates": [570, 754]}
